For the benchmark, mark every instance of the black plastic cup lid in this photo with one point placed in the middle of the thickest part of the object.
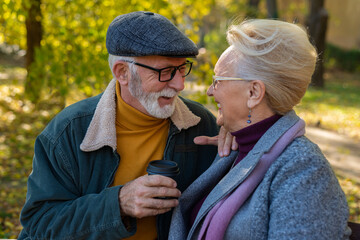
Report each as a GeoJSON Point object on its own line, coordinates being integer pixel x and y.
{"type": "Point", "coordinates": [163, 167]}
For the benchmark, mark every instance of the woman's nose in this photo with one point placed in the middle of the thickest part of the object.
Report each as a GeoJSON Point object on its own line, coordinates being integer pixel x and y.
{"type": "Point", "coordinates": [210, 90]}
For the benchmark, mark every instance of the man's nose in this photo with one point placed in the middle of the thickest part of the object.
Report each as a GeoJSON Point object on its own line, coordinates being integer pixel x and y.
{"type": "Point", "coordinates": [178, 82]}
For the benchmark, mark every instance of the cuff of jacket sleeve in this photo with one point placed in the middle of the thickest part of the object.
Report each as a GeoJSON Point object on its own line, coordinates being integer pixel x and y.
{"type": "Point", "coordinates": [128, 224]}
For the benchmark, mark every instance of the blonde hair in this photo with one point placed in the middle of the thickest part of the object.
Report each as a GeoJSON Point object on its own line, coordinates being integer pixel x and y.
{"type": "Point", "coordinates": [277, 53]}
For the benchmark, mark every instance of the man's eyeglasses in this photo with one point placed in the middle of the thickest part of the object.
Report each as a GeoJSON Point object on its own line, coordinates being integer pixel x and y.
{"type": "Point", "coordinates": [168, 73]}
{"type": "Point", "coordinates": [216, 80]}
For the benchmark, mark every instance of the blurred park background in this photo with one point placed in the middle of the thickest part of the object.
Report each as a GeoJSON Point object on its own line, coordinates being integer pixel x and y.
{"type": "Point", "coordinates": [52, 54]}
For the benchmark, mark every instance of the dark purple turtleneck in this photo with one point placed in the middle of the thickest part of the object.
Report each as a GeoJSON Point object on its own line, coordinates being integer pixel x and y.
{"type": "Point", "coordinates": [246, 138]}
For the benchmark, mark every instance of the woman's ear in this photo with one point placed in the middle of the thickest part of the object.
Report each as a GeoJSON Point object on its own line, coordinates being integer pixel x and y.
{"type": "Point", "coordinates": [256, 93]}
{"type": "Point", "coordinates": [122, 72]}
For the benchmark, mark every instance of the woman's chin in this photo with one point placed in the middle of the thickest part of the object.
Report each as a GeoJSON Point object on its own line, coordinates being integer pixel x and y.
{"type": "Point", "coordinates": [219, 121]}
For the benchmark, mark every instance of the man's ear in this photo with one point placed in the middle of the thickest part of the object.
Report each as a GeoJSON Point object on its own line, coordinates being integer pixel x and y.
{"type": "Point", "coordinates": [256, 92]}
{"type": "Point", "coordinates": [122, 72]}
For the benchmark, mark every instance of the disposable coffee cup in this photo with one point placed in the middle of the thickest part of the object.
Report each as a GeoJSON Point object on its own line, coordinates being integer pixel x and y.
{"type": "Point", "coordinates": [163, 167]}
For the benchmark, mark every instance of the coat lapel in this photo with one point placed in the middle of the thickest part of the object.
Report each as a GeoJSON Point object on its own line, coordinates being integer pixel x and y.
{"type": "Point", "coordinates": [195, 192]}
{"type": "Point", "coordinates": [227, 184]}
{"type": "Point", "coordinates": [210, 177]}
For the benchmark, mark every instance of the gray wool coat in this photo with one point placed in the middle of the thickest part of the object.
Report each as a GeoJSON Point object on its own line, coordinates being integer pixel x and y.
{"type": "Point", "coordinates": [298, 198]}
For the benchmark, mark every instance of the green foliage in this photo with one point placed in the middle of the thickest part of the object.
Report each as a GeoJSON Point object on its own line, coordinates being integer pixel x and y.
{"type": "Point", "coordinates": [346, 60]}
{"type": "Point", "coordinates": [73, 52]}
{"type": "Point", "coordinates": [12, 23]}
{"type": "Point", "coordinates": [20, 123]}
{"type": "Point", "coordinates": [352, 192]}
{"type": "Point", "coordinates": [337, 107]}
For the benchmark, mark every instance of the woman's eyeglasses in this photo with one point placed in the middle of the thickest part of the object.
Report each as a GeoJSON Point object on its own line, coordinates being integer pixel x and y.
{"type": "Point", "coordinates": [216, 80]}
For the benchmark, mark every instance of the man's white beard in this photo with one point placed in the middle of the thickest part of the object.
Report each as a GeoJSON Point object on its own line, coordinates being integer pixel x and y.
{"type": "Point", "coordinates": [150, 100]}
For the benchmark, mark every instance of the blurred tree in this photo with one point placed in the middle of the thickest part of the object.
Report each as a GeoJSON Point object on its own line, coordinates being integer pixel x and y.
{"type": "Point", "coordinates": [317, 25]}
{"type": "Point", "coordinates": [72, 51]}
{"type": "Point", "coordinates": [272, 10]}
{"type": "Point", "coordinates": [253, 8]}
{"type": "Point", "coordinates": [33, 28]}
{"type": "Point", "coordinates": [209, 22]}
{"type": "Point", "coordinates": [33, 40]}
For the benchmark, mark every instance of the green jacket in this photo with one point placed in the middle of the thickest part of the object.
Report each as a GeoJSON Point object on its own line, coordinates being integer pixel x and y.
{"type": "Point", "coordinates": [75, 161]}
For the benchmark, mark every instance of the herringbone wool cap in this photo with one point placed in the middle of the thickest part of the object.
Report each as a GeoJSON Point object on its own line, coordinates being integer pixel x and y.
{"type": "Point", "coordinates": [144, 34]}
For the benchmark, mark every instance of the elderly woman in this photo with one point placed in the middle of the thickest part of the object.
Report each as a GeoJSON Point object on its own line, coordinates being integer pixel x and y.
{"type": "Point", "coordinates": [278, 185]}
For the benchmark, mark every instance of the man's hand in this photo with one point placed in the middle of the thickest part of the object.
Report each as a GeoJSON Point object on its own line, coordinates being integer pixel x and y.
{"type": "Point", "coordinates": [137, 197]}
{"type": "Point", "coordinates": [224, 141]}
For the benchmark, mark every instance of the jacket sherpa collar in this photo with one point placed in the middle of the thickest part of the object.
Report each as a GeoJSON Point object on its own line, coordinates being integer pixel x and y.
{"type": "Point", "coordinates": [102, 130]}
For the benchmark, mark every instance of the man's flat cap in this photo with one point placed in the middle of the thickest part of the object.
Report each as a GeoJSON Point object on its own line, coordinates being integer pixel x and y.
{"type": "Point", "coordinates": [144, 34]}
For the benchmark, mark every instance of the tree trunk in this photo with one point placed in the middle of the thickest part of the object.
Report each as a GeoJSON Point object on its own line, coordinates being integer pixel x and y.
{"type": "Point", "coordinates": [34, 30]}
{"type": "Point", "coordinates": [33, 37]}
{"type": "Point", "coordinates": [253, 8]}
{"type": "Point", "coordinates": [272, 9]}
{"type": "Point", "coordinates": [317, 25]}
{"type": "Point", "coordinates": [254, 3]}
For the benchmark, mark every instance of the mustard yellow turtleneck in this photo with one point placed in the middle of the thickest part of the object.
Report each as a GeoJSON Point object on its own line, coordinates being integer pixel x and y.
{"type": "Point", "coordinates": [140, 139]}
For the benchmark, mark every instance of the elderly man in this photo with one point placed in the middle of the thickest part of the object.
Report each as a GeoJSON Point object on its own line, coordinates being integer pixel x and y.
{"type": "Point", "coordinates": [89, 169]}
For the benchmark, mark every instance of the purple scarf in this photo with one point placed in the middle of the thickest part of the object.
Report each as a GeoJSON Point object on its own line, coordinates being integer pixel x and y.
{"type": "Point", "coordinates": [217, 220]}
